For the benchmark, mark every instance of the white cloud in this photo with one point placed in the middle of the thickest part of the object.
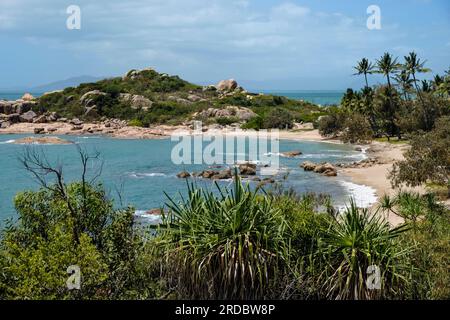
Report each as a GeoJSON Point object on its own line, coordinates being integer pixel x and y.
{"type": "Point", "coordinates": [203, 39]}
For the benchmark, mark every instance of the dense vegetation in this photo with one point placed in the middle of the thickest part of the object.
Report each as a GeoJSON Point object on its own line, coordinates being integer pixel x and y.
{"type": "Point", "coordinates": [405, 109]}
{"type": "Point", "coordinates": [402, 106]}
{"type": "Point", "coordinates": [170, 103]}
{"type": "Point", "coordinates": [242, 244]}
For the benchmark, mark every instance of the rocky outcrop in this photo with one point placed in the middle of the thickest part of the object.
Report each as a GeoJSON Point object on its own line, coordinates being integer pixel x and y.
{"type": "Point", "coordinates": [183, 175]}
{"type": "Point", "coordinates": [27, 97]}
{"type": "Point", "coordinates": [209, 88]}
{"type": "Point", "coordinates": [154, 212]}
{"type": "Point", "coordinates": [227, 85]}
{"type": "Point", "coordinates": [87, 99]}
{"type": "Point", "coordinates": [247, 169]}
{"type": "Point", "coordinates": [28, 116]}
{"type": "Point", "coordinates": [291, 154]}
{"type": "Point", "coordinates": [39, 130]}
{"type": "Point", "coordinates": [76, 122]}
{"type": "Point", "coordinates": [18, 106]}
{"type": "Point", "coordinates": [13, 117]}
{"type": "Point", "coordinates": [223, 175]}
{"type": "Point", "coordinates": [179, 100]}
{"type": "Point", "coordinates": [136, 101]}
{"type": "Point", "coordinates": [135, 74]}
{"type": "Point", "coordinates": [326, 169]}
{"type": "Point", "coordinates": [241, 113]}
{"type": "Point", "coordinates": [41, 140]}
{"type": "Point", "coordinates": [366, 163]}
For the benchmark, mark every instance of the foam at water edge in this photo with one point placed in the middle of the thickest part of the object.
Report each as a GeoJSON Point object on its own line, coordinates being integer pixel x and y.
{"type": "Point", "coordinates": [145, 175]}
{"type": "Point", "coordinates": [148, 218]}
{"type": "Point", "coordinates": [7, 142]}
{"type": "Point", "coordinates": [364, 196]}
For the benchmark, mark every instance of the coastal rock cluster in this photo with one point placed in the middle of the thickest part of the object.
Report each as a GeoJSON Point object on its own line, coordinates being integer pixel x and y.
{"type": "Point", "coordinates": [240, 113]}
{"type": "Point", "coordinates": [17, 111]}
{"type": "Point", "coordinates": [325, 168]}
{"type": "Point", "coordinates": [246, 170]}
{"type": "Point", "coordinates": [366, 163]}
{"type": "Point", "coordinates": [291, 154]}
{"type": "Point", "coordinates": [135, 101]}
{"type": "Point", "coordinates": [225, 87]}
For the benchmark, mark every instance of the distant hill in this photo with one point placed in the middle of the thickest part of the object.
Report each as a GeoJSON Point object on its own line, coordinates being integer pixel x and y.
{"type": "Point", "coordinates": [62, 84]}
{"type": "Point", "coordinates": [147, 97]}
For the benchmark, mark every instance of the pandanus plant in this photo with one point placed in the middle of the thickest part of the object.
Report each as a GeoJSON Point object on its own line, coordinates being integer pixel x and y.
{"type": "Point", "coordinates": [356, 240]}
{"type": "Point", "coordinates": [230, 246]}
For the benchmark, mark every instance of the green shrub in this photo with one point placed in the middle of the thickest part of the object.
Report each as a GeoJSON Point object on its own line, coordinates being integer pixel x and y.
{"type": "Point", "coordinates": [225, 121]}
{"type": "Point", "coordinates": [135, 123]}
{"type": "Point", "coordinates": [227, 247]}
{"type": "Point", "coordinates": [354, 241]}
{"type": "Point", "coordinates": [278, 118]}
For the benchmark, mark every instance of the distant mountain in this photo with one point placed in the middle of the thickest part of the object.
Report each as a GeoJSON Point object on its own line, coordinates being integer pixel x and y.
{"type": "Point", "coordinates": [62, 84]}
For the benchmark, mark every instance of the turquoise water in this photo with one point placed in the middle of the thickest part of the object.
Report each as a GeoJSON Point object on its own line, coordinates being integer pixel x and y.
{"type": "Point", "coordinates": [322, 97]}
{"type": "Point", "coordinates": [143, 170]}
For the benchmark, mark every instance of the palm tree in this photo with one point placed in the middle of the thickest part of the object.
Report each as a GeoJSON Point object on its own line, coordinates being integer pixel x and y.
{"type": "Point", "coordinates": [437, 83]}
{"type": "Point", "coordinates": [388, 65]}
{"type": "Point", "coordinates": [405, 81]}
{"type": "Point", "coordinates": [364, 67]}
{"type": "Point", "coordinates": [413, 65]}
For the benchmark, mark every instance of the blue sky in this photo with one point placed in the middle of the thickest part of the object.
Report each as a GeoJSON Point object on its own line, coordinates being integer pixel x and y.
{"type": "Point", "coordinates": [264, 44]}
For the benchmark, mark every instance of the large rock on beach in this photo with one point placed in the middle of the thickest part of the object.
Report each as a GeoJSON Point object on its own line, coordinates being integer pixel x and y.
{"type": "Point", "coordinates": [326, 169]}
{"type": "Point", "coordinates": [247, 169]}
{"type": "Point", "coordinates": [13, 117]}
{"type": "Point", "coordinates": [6, 107]}
{"type": "Point", "coordinates": [28, 116]}
{"type": "Point", "coordinates": [39, 130]}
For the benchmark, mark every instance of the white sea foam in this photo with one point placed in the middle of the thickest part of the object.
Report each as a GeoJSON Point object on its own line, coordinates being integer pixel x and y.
{"type": "Point", "coordinates": [364, 196]}
{"type": "Point", "coordinates": [148, 218]}
{"type": "Point", "coordinates": [7, 142]}
{"type": "Point", "coordinates": [146, 175]}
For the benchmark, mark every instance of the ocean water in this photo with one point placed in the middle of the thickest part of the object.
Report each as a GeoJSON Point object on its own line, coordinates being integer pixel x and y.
{"type": "Point", "coordinates": [142, 170]}
{"type": "Point", "coordinates": [16, 95]}
{"type": "Point", "coordinates": [322, 97]}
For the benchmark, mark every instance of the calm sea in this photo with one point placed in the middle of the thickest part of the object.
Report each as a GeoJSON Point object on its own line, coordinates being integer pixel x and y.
{"type": "Point", "coordinates": [323, 97]}
{"type": "Point", "coordinates": [142, 170]}
{"type": "Point", "coordinates": [16, 95]}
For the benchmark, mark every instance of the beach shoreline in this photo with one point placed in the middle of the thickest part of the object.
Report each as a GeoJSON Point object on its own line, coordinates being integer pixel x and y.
{"type": "Point", "coordinates": [374, 176]}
